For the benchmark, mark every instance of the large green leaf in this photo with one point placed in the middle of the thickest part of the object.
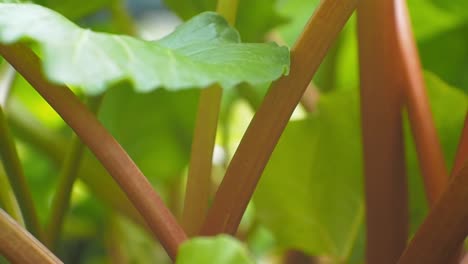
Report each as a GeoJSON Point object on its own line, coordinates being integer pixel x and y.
{"type": "Point", "coordinates": [156, 131]}
{"type": "Point", "coordinates": [154, 128]}
{"type": "Point", "coordinates": [222, 249]}
{"type": "Point", "coordinates": [201, 52]}
{"type": "Point", "coordinates": [311, 192]}
{"type": "Point", "coordinates": [310, 195]}
{"type": "Point", "coordinates": [254, 18]}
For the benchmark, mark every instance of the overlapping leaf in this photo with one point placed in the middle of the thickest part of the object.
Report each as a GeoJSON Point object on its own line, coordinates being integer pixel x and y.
{"type": "Point", "coordinates": [201, 52]}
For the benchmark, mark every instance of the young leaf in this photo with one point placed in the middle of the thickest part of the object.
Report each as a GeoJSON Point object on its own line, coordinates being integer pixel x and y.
{"type": "Point", "coordinates": [221, 249]}
{"type": "Point", "coordinates": [203, 51]}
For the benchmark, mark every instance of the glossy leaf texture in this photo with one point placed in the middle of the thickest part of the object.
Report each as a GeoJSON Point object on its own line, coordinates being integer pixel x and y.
{"type": "Point", "coordinates": [311, 194]}
{"type": "Point", "coordinates": [201, 52]}
{"type": "Point", "coordinates": [254, 19]}
{"type": "Point", "coordinates": [221, 249]}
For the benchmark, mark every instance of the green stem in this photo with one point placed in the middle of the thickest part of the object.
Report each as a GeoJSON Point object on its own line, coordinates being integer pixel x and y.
{"type": "Point", "coordinates": [17, 179]}
{"type": "Point", "coordinates": [8, 200]}
{"type": "Point", "coordinates": [7, 196]}
{"type": "Point", "coordinates": [67, 178]}
{"type": "Point", "coordinates": [199, 176]}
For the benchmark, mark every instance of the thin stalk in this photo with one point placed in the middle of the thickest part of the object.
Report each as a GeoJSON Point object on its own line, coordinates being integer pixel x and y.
{"type": "Point", "coordinates": [439, 238]}
{"type": "Point", "coordinates": [264, 131]}
{"type": "Point", "coordinates": [201, 159]}
{"type": "Point", "coordinates": [17, 179]}
{"type": "Point", "coordinates": [7, 196]}
{"type": "Point", "coordinates": [381, 119]}
{"type": "Point", "coordinates": [429, 150]}
{"type": "Point", "coordinates": [176, 196]}
{"type": "Point", "coordinates": [108, 151]}
{"type": "Point", "coordinates": [198, 187]}
{"type": "Point", "coordinates": [8, 200]}
{"type": "Point", "coordinates": [18, 246]}
{"type": "Point", "coordinates": [67, 178]}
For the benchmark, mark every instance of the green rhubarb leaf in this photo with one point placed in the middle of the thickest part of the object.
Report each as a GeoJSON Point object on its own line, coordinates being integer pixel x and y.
{"type": "Point", "coordinates": [201, 52]}
{"type": "Point", "coordinates": [222, 249]}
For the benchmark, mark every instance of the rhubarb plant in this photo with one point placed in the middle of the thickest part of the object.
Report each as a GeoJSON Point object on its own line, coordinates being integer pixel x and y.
{"type": "Point", "coordinates": [297, 131]}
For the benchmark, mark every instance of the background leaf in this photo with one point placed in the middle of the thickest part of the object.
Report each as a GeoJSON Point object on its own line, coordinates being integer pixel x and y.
{"type": "Point", "coordinates": [311, 192]}
{"type": "Point", "coordinates": [310, 195]}
{"type": "Point", "coordinates": [254, 18]}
